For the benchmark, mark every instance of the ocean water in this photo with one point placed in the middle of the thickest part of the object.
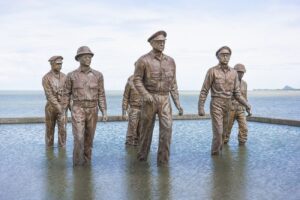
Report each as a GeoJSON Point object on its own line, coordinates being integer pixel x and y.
{"type": "Point", "coordinates": [276, 104]}
{"type": "Point", "coordinates": [266, 168]}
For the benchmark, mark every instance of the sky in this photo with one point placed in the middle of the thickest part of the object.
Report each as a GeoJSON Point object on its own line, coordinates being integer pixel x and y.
{"type": "Point", "coordinates": [263, 35]}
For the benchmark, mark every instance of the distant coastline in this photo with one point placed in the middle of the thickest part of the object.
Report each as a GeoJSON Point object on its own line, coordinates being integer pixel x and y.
{"type": "Point", "coordinates": [285, 88]}
{"type": "Point", "coordinates": [276, 90]}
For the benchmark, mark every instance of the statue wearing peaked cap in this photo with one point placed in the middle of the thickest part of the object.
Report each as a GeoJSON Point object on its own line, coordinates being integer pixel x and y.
{"type": "Point", "coordinates": [223, 83]}
{"type": "Point", "coordinates": [155, 79]}
{"type": "Point", "coordinates": [56, 107]}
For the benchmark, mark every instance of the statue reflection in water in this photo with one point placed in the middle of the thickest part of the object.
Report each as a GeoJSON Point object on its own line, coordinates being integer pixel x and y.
{"type": "Point", "coordinates": [144, 182]}
{"type": "Point", "coordinates": [83, 183]}
{"type": "Point", "coordinates": [229, 175]}
{"type": "Point", "coordinates": [56, 173]}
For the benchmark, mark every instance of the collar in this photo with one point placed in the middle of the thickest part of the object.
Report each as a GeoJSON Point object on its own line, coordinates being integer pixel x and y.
{"type": "Point", "coordinates": [80, 70]}
{"type": "Point", "coordinates": [224, 69]}
{"type": "Point", "coordinates": [54, 74]}
{"type": "Point", "coordinates": [157, 56]}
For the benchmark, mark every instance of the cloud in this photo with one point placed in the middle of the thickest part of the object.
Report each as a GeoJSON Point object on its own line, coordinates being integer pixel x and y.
{"type": "Point", "coordinates": [264, 37]}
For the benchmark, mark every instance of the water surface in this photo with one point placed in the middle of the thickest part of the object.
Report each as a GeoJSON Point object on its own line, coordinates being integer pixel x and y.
{"type": "Point", "coordinates": [266, 168]}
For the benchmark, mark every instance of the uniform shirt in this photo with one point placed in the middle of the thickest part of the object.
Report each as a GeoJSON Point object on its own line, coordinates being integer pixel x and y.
{"type": "Point", "coordinates": [131, 96]}
{"type": "Point", "coordinates": [235, 104]}
{"type": "Point", "coordinates": [223, 83]}
{"type": "Point", "coordinates": [86, 86]}
{"type": "Point", "coordinates": [154, 74]}
{"type": "Point", "coordinates": [53, 85]}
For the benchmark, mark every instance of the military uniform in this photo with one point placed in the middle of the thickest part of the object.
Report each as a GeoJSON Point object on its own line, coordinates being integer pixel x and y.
{"type": "Point", "coordinates": [53, 87]}
{"type": "Point", "coordinates": [132, 101]}
{"type": "Point", "coordinates": [224, 84]}
{"type": "Point", "coordinates": [86, 90]}
{"type": "Point", "coordinates": [155, 75]}
{"type": "Point", "coordinates": [237, 113]}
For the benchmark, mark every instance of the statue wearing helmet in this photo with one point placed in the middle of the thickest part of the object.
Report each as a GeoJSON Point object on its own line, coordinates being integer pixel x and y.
{"type": "Point", "coordinates": [85, 87]}
{"type": "Point", "coordinates": [237, 111]}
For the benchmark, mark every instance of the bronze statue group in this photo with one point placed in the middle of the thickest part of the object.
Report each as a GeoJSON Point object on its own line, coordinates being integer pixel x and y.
{"type": "Point", "coordinates": [147, 94]}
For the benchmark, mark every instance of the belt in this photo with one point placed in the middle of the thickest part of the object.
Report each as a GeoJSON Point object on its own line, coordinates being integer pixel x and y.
{"type": "Point", "coordinates": [85, 103]}
{"type": "Point", "coordinates": [135, 107]}
{"type": "Point", "coordinates": [159, 92]}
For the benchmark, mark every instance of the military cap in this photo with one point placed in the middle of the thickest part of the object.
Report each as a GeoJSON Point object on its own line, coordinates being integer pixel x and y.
{"type": "Point", "coordinates": [159, 35]}
{"type": "Point", "coordinates": [223, 47]}
{"type": "Point", "coordinates": [83, 50]}
{"type": "Point", "coordinates": [57, 59]}
{"type": "Point", "coordinates": [240, 68]}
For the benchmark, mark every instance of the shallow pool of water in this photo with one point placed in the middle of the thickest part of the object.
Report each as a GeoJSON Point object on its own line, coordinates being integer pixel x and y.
{"type": "Point", "coordinates": [268, 167]}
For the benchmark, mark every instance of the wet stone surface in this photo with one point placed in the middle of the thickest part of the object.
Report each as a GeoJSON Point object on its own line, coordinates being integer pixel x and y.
{"type": "Point", "coordinates": [268, 167]}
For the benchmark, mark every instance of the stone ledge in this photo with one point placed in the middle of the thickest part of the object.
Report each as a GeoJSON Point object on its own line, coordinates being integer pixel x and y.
{"type": "Point", "coordinates": [33, 120]}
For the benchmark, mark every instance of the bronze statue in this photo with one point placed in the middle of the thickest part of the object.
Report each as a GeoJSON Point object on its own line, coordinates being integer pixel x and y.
{"type": "Point", "coordinates": [132, 103]}
{"type": "Point", "coordinates": [85, 87]}
{"type": "Point", "coordinates": [223, 82]}
{"type": "Point", "coordinates": [237, 111]}
{"type": "Point", "coordinates": [56, 107]}
{"type": "Point", "coordinates": [155, 78]}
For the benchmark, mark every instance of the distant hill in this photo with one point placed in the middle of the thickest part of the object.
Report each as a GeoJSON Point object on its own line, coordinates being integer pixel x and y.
{"type": "Point", "coordinates": [288, 88]}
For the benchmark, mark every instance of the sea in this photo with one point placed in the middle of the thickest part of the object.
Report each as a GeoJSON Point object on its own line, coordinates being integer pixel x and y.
{"type": "Point", "coordinates": [267, 167]}
{"type": "Point", "coordinates": [283, 104]}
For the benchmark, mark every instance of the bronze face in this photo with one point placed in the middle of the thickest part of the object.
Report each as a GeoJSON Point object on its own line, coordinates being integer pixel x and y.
{"type": "Point", "coordinates": [224, 56]}
{"type": "Point", "coordinates": [240, 74]}
{"type": "Point", "coordinates": [56, 67]}
{"type": "Point", "coordinates": [85, 60]}
{"type": "Point", "coordinates": [158, 45]}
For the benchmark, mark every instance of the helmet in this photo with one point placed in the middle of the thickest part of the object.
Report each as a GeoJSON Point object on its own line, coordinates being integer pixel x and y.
{"type": "Point", "coordinates": [83, 50]}
{"type": "Point", "coordinates": [240, 68]}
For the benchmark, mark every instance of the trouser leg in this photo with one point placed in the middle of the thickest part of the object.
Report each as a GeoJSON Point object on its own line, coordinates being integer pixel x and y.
{"type": "Point", "coordinates": [165, 129]}
{"type": "Point", "coordinates": [138, 128]}
{"type": "Point", "coordinates": [243, 129]}
{"type": "Point", "coordinates": [78, 128]}
{"type": "Point", "coordinates": [91, 122]}
{"type": "Point", "coordinates": [133, 120]}
{"type": "Point", "coordinates": [148, 112]}
{"type": "Point", "coordinates": [216, 113]}
{"type": "Point", "coordinates": [50, 120]}
{"type": "Point", "coordinates": [226, 113]}
{"type": "Point", "coordinates": [230, 125]}
{"type": "Point", "coordinates": [62, 128]}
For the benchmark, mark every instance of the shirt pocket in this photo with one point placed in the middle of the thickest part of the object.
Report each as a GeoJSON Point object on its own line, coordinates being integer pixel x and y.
{"type": "Point", "coordinates": [219, 83]}
{"type": "Point", "coordinates": [94, 87]}
{"type": "Point", "coordinates": [169, 77]}
{"type": "Point", "coordinates": [155, 75]}
{"type": "Point", "coordinates": [78, 89]}
{"type": "Point", "coordinates": [230, 85]}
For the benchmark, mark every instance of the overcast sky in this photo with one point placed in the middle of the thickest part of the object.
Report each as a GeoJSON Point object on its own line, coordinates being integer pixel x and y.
{"type": "Point", "coordinates": [263, 35]}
